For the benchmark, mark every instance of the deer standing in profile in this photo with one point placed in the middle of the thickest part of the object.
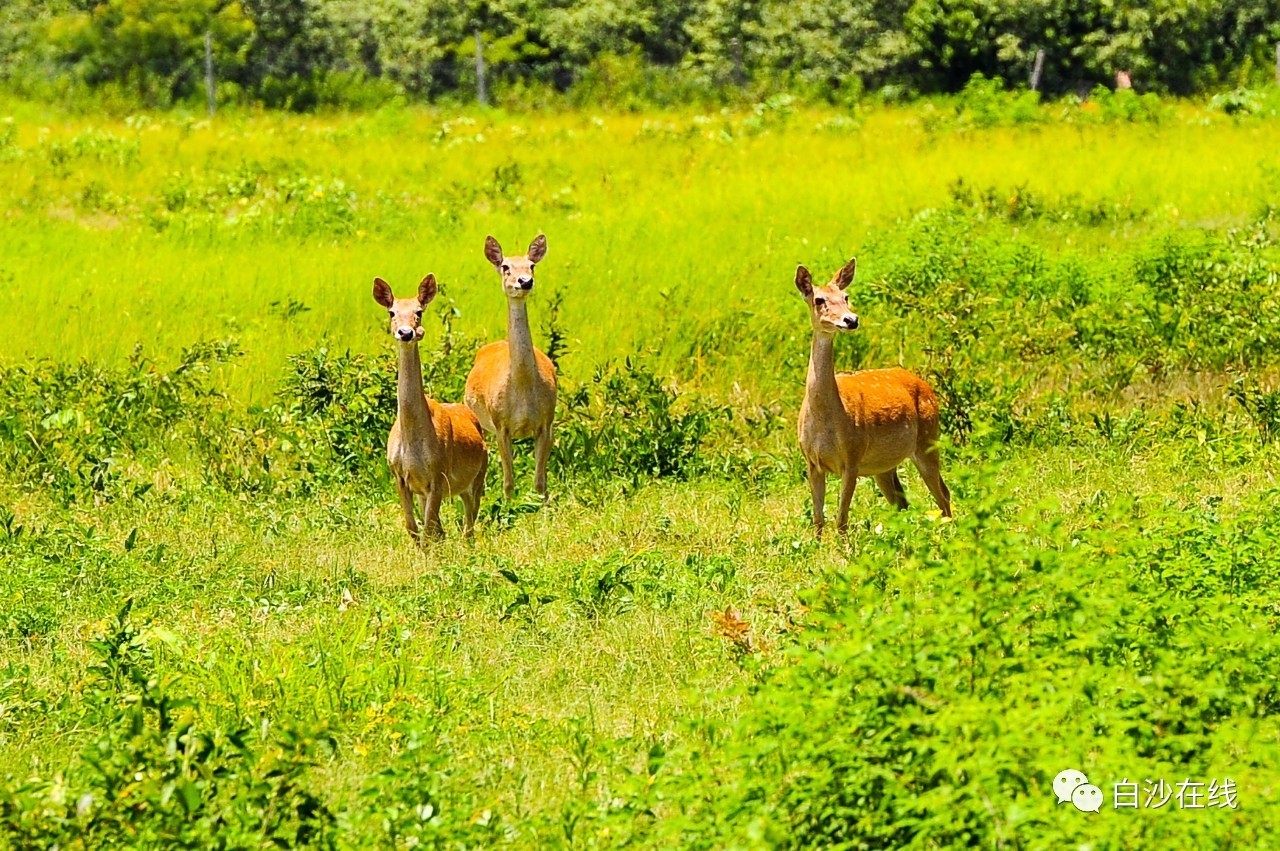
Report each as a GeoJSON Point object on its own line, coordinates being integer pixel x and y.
{"type": "Point", "coordinates": [512, 386]}
{"type": "Point", "coordinates": [435, 450]}
{"type": "Point", "coordinates": [865, 423]}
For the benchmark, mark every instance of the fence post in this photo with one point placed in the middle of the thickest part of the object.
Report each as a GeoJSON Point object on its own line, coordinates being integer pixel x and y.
{"type": "Point", "coordinates": [1036, 70]}
{"type": "Point", "coordinates": [482, 93]}
{"type": "Point", "coordinates": [209, 90]}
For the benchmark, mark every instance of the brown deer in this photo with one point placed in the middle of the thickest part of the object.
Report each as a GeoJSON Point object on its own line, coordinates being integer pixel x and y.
{"type": "Point", "coordinates": [512, 386]}
{"type": "Point", "coordinates": [435, 450]}
{"type": "Point", "coordinates": [865, 423]}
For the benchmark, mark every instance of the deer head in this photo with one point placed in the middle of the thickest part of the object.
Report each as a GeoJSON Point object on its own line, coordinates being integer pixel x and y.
{"type": "Point", "coordinates": [405, 313]}
{"type": "Point", "coordinates": [829, 306]}
{"type": "Point", "coordinates": [517, 269]}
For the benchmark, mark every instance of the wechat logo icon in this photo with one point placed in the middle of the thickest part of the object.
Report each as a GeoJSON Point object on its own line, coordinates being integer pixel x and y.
{"type": "Point", "coordinates": [1073, 787]}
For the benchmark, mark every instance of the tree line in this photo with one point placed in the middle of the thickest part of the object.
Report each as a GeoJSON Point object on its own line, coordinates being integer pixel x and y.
{"type": "Point", "coordinates": [303, 53]}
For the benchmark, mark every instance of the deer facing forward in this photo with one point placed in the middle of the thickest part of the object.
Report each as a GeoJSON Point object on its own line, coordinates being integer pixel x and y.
{"type": "Point", "coordinates": [512, 386]}
{"type": "Point", "coordinates": [435, 450]}
{"type": "Point", "coordinates": [861, 424]}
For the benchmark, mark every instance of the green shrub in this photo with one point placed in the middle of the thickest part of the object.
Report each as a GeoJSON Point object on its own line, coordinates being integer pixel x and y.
{"type": "Point", "coordinates": [160, 774]}
{"type": "Point", "coordinates": [986, 103]}
{"type": "Point", "coordinates": [625, 422]}
{"type": "Point", "coordinates": [1261, 403]}
{"type": "Point", "coordinates": [70, 427]}
{"type": "Point", "coordinates": [947, 674]}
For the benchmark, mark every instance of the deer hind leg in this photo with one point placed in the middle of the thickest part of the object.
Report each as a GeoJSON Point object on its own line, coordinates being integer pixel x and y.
{"type": "Point", "coordinates": [929, 464]}
{"type": "Point", "coordinates": [818, 489]}
{"type": "Point", "coordinates": [542, 451]}
{"type": "Point", "coordinates": [847, 483]}
{"type": "Point", "coordinates": [508, 470]}
{"type": "Point", "coordinates": [891, 486]}
{"type": "Point", "coordinates": [431, 526]}
{"type": "Point", "coordinates": [471, 502]}
{"type": "Point", "coordinates": [406, 505]}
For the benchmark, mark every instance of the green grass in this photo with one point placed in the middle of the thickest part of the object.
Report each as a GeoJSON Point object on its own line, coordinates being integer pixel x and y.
{"type": "Point", "coordinates": [647, 660]}
{"type": "Point", "coordinates": [672, 221]}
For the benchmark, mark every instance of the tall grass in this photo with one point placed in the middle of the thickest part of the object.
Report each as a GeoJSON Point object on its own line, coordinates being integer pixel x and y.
{"type": "Point", "coordinates": [180, 230]}
{"type": "Point", "coordinates": [213, 625]}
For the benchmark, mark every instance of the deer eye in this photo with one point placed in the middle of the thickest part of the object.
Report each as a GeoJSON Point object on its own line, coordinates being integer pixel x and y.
{"type": "Point", "coordinates": [391, 313]}
{"type": "Point", "coordinates": [506, 268]}
{"type": "Point", "coordinates": [819, 301]}
{"type": "Point", "coordinates": [418, 313]}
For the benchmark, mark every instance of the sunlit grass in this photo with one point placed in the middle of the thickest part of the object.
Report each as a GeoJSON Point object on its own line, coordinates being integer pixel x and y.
{"type": "Point", "coordinates": [656, 223]}
{"type": "Point", "coordinates": [591, 619]}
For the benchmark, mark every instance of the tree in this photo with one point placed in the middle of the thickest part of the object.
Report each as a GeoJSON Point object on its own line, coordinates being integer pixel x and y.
{"type": "Point", "coordinates": [292, 45]}
{"type": "Point", "coordinates": [153, 46]}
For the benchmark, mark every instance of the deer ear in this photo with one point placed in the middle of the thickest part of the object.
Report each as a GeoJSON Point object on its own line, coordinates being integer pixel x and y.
{"type": "Point", "coordinates": [427, 290]}
{"type": "Point", "coordinates": [538, 248]}
{"type": "Point", "coordinates": [382, 293]}
{"type": "Point", "coordinates": [804, 281]}
{"type": "Point", "coordinates": [492, 251]}
{"type": "Point", "coordinates": [845, 276]}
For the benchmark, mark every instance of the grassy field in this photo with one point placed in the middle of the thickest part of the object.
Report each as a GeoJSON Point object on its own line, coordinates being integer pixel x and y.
{"type": "Point", "coordinates": [213, 624]}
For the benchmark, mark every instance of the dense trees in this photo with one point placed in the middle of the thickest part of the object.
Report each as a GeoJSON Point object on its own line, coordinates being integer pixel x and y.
{"type": "Point", "coordinates": [299, 52]}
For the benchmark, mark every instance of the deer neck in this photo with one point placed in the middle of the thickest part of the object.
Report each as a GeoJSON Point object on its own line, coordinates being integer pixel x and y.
{"type": "Point", "coordinates": [411, 400]}
{"type": "Point", "coordinates": [820, 386]}
{"type": "Point", "coordinates": [520, 340]}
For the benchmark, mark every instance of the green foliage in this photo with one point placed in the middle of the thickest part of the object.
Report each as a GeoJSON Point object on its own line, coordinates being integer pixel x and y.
{"type": "Point", "coordinates": [1183, 301]}
{"type": "Point", "coordinates": [1261, 403]}
{"type": "Point", "coordinates": [160, 774]}
{"type": "Point", "coordinates": [944, 676]}
{"type": "Point", "coordinates": [660, 655]}
{"type": "Point", "coordinates": [625, 422]}
{"type": "Point", "coordinates": [339, 408]}
{"type": "Point", "coordinates": [306, 54]}
{"type": "Point", "coordinates": [154, 47]}
{"type": "Point", "coordinates": [71, 428]}
{"type": "Point", "coordinates": [985, 103]}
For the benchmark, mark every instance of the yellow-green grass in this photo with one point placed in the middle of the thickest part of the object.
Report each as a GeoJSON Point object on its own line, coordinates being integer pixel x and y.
{"type": "Point", "coordinates": [659, 227]}
{"type": "Point", "coordinates": [671, 234]}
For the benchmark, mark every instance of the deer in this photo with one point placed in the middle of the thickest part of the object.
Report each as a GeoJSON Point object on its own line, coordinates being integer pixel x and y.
{"type": "Point", "coordinates": [864, 423]}
{"type": "Point", "coordinates": [435, 450]}
{"type": "Point", "coordinates": [512, 385]}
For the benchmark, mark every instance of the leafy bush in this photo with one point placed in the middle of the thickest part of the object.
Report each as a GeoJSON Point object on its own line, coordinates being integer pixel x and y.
{"type": "Point", "coordinates": [70, 427]}
{"type": "Point", "coordinates": [985, 103]}
{"type": "Point", "coordinates": [341, 407]}
{"type": "Point", "coordinates": [1125, 105]}
{"type": "Point", "coordinates": [1261, 403]}
{"type": "Point", "coordinates": [160, 774]}
{"type": "Point", "coordinates": [625, 422]}
{"type": "Point", "coordinates": [946, 675]}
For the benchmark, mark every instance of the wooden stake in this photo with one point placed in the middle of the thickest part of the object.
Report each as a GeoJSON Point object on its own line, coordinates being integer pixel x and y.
{"type": "Point", "coordinates": [1036, 70]}
{"type": "Point", "coordinates": [209, 90]}
{"type": "Point", "coordinates": [482, 92]}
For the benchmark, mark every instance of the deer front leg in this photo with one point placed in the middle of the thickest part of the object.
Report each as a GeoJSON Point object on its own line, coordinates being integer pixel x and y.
{"type": "Point", "coordinates": [818, 489]}
{"type": "Point", "coordinates": [406, 505]}
{"type": "Point", "coordinates": [847, 483]}
{"type": "Point", "coordinates": [508, 469]}
{"type": "Point", "coordinates": [542, 451]}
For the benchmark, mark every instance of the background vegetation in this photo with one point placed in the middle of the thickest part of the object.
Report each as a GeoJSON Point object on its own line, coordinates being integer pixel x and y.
{"type": "Point", "coordinates": [307, 53]}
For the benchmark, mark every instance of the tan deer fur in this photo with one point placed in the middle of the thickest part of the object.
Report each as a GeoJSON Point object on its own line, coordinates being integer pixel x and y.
{"type": "Point", "coordinates": [512, 386]}
{"type": "Point", "coordinates": [435, 450]}
{"type": "Point", "coordinates": [861, 424]}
